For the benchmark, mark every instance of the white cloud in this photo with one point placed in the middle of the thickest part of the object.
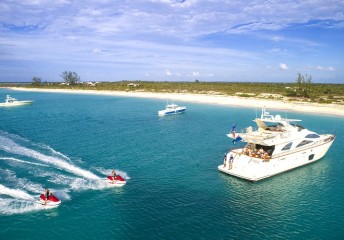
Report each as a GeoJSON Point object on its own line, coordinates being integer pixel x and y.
{"type": "Point", "coordinates": [277, 38]}
{"type": "Point", "coordinates": [188, 18]}
{"type": "Point", "coordinates": [277, 50]}
{"type": "Point", "coordinates": [321, 68]}
{"type": "Point", "coordinates": [195, 74]}
{"type": "Point", "coordinates": [178, 35]}
{"type": "Point", "coordinates": [283, 66]}
{"type": "Point", "coordinates": [255, 26]}
{"type": "Point", "coordinates": [168, 73]}
{"type": "Point", "coordinates": [96, 50]}
{"type": "Point", "coordinates": [176, 3]}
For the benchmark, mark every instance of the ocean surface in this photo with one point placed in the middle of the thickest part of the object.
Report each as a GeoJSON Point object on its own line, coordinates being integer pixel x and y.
{"type": "Point", "coordinates": [70, 142]}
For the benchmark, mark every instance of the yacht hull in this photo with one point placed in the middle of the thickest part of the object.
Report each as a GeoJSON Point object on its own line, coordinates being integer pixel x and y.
{"type": "Point", "coordinates": [15, 104]}
{"type": "Point", "coordinates": [163, 112]}
{"type": "Point", "coordinates": [255, 169]}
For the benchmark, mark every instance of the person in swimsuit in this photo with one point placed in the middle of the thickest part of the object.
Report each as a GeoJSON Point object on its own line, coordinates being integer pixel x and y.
{"type": "Point", "coordinates": [47, 193]}
{"type": "Point", "coordinates": [114, 175]}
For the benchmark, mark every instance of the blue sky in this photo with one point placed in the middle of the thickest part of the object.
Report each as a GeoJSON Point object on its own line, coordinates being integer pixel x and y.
{"type": "Point", "coordinates": [172, 40]}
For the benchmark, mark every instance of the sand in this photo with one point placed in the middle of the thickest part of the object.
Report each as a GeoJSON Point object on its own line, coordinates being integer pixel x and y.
{"type": "Point", "coordinates": [181, 98]}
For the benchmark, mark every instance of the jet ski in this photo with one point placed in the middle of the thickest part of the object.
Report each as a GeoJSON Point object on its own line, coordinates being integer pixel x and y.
{"type": "Point", "coordinates": [52, 200]}
{"type": "Point", "coordinates": [117, 182]}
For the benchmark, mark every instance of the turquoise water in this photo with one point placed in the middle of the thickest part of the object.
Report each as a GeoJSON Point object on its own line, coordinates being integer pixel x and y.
{"type": "Point", "coordinates": [69, 142]}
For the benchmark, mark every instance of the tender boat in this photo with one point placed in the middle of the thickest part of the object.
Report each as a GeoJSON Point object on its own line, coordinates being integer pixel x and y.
{"type": "Point", "coordinates": [278, 145]}
{"type": "Point", "coordinates": [172, 109]}
{"type": "Point", "coordinates": [12, 102]}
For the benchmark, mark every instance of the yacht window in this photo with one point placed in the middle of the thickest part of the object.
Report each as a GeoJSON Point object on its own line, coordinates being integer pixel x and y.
{"type": "Point", "coordinates": [273, 126]}
{"type": "Point", "coordinates": [312, 135]}
{"type": "Point", "coordinates": [269, 124]}
{"type": "Point", "coordinates": [304, 142]}
{"type": "Point", "coordinates": [296, 125]}
{"type": "Point", "coordinates": [287, 147]}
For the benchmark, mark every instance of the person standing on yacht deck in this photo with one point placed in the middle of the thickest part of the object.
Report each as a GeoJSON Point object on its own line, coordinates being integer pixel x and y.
{"type": "Point", "coordinates": [261, 152]}
{"type": "Point", "coordinates": [233, 130]}
{"type": "Point", "coordinates": [224, 160]}
{"type": "Point", "coordinates": [231, 159]}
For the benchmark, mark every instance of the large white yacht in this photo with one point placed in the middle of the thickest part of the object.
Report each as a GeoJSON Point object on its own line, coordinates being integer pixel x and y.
{"type": "Point", "coordinates": [12, 102]}
{"type": "Point", "coordinates": [278, 145]}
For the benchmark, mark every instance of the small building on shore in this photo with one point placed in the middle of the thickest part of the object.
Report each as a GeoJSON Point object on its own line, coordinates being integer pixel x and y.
{"type": "Point", "coordinates": [133, 85]}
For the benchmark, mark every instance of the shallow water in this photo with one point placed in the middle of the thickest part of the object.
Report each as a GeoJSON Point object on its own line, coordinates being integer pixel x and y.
{"type": "Point", "coordinates": [70, 142]}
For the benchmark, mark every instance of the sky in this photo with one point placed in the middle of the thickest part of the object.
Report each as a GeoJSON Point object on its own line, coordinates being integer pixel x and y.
{"type": "Point", "coordinates": [172, 40]}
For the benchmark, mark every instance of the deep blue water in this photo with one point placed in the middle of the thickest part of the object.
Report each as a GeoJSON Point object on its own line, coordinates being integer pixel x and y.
{"type": "Point", "coordinates": [174, 189]}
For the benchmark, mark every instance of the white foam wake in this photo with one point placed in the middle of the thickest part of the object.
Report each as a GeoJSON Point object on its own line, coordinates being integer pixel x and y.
{"type": "Point", "coordinates": [20, 183]}
{"type": "Point", "coordinates": [10, 146]}
{"type": "Point", "coordinates": [15, 193]}
{"type": "Point", "coordinates": [22, 161]}
{"type": "Point", "coordinates": [55, 152]}
{"type": "Point", "coordinates": [18, 206]}
{"type": "Point", "coordinates": [108, 172]}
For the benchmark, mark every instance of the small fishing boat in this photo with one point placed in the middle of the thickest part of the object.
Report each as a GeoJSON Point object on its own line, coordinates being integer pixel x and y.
{"type": "Point", "coordinates": [172, 109]}
{"type": "Point", "coordinates": [13, 102]}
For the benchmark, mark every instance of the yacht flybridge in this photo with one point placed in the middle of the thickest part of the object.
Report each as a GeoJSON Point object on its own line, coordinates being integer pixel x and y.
{"type": "Point", "coordinates": [277, 146]}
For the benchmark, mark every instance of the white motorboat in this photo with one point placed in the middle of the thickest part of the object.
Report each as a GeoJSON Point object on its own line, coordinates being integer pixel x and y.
{"type": "Point", "coordinates": [12, 102]}
{"type": "Point", "coordinates": [172, 109]}
{"type": "Point", "coordinates": [278, 145]}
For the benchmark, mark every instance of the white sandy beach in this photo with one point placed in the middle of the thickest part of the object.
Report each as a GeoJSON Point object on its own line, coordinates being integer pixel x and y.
{"type": "Point", "coordinates": [316, 108]}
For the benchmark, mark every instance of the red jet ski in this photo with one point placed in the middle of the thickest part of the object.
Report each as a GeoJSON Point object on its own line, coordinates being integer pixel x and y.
{"type": "Point", "coordinates": [118, 181]}
{"type": "Point", "coordinates": [51, 201]}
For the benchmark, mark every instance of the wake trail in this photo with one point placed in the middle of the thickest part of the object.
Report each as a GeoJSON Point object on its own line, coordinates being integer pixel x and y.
{"type": "Point", "coordinates": [21, 183]}
{"type": "Point", "coordinates": [15, 193]}
{"type": "Point", "coordinates": [10, 146]}
{"type": "Point", "coordinates": [20, 202]}
{"type": "Point", "coordinates": [54, 151]}
{"type": "Point", "coordinates": [22, 161]}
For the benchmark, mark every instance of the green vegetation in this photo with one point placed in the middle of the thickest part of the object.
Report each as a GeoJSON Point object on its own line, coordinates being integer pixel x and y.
{"type": "Point", "coordinates": [70, 78]}
{"type": "Point", "coordinates": [303, 90]}
{"type": "Point", "coordinates": [315, 92]}
{"type": "Point", "coordinates": [303, 86]}
{"type": "Point", "coordinates": [36, 81]}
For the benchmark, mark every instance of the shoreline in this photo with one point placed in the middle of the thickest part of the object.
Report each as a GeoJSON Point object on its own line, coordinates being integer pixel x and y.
{"type": "Point", "coordinates": [305, 107]}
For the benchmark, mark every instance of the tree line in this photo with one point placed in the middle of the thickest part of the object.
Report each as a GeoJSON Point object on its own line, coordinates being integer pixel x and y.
{"type": "Point", "coordinates": [69, 77]}
{"type": "Point", "coordinates": [302, 88]}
